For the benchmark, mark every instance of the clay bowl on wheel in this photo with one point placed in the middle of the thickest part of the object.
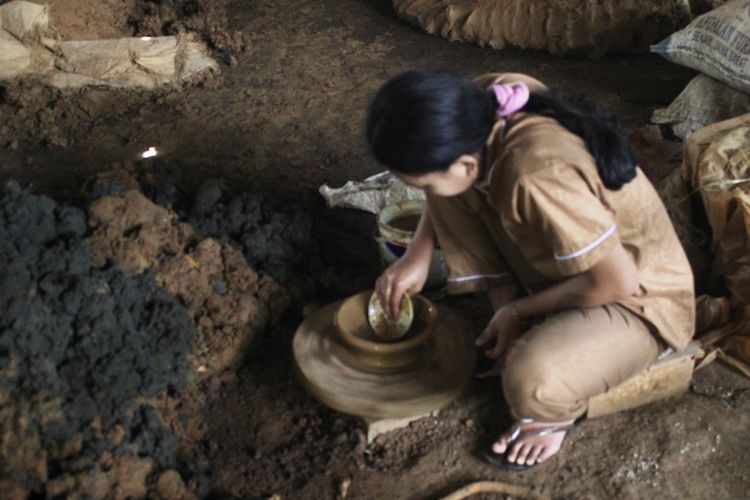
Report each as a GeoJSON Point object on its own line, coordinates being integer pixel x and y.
{"type": "Point", "coordinates": [377, 354]}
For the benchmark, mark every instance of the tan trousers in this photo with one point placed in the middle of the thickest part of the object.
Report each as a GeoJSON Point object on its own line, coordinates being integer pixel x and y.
{"type": "Point", "coordinates": [553, 369]}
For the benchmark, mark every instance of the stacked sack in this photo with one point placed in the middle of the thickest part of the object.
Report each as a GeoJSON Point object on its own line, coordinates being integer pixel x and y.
{"type": "Point", "coordinates": [712, 116]}
{"type": "Point", "coordinates": [718, 45]}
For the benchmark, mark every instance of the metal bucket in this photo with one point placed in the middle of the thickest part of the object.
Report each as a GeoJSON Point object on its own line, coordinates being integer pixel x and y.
{"type": "Point", "coordinates": [396, 227]}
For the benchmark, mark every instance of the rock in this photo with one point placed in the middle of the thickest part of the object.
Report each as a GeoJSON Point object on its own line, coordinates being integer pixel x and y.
{"type": "Point", "coordinates": [361, 439]}
{"type": "Point", "coordinates": [208, 196]}
{"type": "Point", "coordinates": [130, 477]}
{"type": "Point", "coordinates": [340, 439]}
{"type": "Point", "coordinates": [94, 484]}
{"type": "Point", "coordinates": [61, 485]}
{"type": "Point", "coordinates": [13, 490]}
{"type": "Point", "coordinates": [344, 488]}
{"type": "Point", "coordinates": [116, 434]}
{"type": "Point", "coordinates": [170, 486]}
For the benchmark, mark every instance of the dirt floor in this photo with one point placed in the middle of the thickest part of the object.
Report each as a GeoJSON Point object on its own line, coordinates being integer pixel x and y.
{"type": "Point", "coordinates": [289, 115]}
{"type": "Point", "coordinates": [286, 116]}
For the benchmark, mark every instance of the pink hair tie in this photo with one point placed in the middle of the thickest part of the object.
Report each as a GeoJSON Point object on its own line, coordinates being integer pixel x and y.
{"type": "Point", "coordinates": [510, 98]}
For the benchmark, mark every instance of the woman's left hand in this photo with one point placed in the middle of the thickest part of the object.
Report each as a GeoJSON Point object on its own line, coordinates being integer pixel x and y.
{"type": "Point", "coordinates": [502, 330]}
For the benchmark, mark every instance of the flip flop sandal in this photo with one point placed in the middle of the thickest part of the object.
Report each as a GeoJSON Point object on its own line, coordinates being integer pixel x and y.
{"type": "Point", "coordinates": [499, 459]}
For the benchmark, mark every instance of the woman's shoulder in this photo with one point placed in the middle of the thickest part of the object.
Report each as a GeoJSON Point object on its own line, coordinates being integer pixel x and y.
{"type": "Point", "coordinates": [537, 150]}
{"type": "Point", "coordinates": [533, 142]}
{"type": "Point", "coordinates": [510, 78]}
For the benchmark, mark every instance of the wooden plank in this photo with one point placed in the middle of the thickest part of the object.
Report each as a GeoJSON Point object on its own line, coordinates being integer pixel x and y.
{"type": "Point", "coordinates": [666, 377]}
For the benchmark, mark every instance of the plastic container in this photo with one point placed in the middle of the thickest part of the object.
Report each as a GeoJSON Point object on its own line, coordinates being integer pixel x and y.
{"type": "Point", "coordinates": [396, 227]}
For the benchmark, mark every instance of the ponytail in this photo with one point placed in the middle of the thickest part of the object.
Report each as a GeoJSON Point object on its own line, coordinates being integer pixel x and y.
{"type": "Point", "coordinates": [615, 157]}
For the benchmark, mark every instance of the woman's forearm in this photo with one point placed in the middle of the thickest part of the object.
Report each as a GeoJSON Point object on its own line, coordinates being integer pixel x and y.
{"type": "Point", "coordinates": [502, 295]}
{"type": "Point", "coordinates": [577, 291]}
{"type": "Point", "coordinates": [613, 279]}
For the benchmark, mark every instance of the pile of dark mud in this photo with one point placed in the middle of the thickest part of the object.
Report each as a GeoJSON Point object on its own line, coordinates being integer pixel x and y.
{"type": "Point", "coordinates": [226, 299]}
{"type": "Point", "coordinates": [82, 349]}
{"type": "Point", "coordinates": [117, 322]}
{"type": "Point", "coordinates": [274, 235]}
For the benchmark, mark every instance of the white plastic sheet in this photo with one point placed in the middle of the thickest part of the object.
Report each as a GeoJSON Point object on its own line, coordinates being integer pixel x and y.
{"type": "Point", "coordinates": [372, 194]}
{"type": "Point", "coordinates": [126, 62]}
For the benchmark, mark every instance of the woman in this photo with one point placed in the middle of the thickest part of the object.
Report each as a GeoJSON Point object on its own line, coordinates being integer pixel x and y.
{"type": "Point", "coordinates": [539, 202]}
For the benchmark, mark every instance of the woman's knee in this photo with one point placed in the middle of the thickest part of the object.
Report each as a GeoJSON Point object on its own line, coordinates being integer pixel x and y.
{"type": "Point", "coordinates": [523, 374]}
{"type": "Point", "coordinates": [534, 387]}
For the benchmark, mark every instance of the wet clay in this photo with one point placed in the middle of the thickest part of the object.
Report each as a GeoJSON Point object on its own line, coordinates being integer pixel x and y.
{"type": "Point", "coordinates": [372, 352]}
{"type": "Point", "coordinates": [326, 369]}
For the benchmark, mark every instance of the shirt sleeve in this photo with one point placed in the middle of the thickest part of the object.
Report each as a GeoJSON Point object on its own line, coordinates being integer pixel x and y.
{"type": "Point", "coordinates": [561, 204]}
{"type": "Point", "coordinates": [474, 262]}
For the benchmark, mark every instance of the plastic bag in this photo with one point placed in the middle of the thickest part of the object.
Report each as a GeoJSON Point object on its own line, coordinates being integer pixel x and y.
{"type": "Point", "coordinates": [716, 43]}
{"type": "Point", "coordinates": [125, 62]}
{"type": "Point", "coordinates": [717, 164]}
{"type": "Point", "coordinates": [704, 101]}
{"type": "Point", "coordinates": [371, 195]}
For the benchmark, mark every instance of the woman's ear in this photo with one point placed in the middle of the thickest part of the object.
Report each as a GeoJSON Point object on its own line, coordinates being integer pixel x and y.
{"type": "Point", "coordinates": [470, 164]}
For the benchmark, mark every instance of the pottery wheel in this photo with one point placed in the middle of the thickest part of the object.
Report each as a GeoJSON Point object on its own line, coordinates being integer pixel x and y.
{"type": "Point", "coordinates": [330, 374]}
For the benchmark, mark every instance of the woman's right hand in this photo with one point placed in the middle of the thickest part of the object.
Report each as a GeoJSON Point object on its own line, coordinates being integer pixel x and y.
{"type": "Point", "coordinates": [407, 275]}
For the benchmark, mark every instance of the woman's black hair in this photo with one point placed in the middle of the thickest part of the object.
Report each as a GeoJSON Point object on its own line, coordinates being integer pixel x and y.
{"type": "Point", "coordinates": [616, 159]}
{"type": "Point", "coordinates": [422, 121]}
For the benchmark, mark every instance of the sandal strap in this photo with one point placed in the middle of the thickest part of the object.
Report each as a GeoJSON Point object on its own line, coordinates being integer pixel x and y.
{"type": "Point", "coordinates": [518, 432]}
{"type": "Point", "coordinates": [546, 431]}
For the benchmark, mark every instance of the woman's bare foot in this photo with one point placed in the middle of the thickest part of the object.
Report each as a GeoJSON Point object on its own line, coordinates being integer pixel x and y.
{"type": "Point", "coordinates": [530, 447]}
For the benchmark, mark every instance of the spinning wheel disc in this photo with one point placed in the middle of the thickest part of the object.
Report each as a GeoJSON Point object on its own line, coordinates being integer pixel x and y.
{"type": "Point", "coordinates": [333, 375]}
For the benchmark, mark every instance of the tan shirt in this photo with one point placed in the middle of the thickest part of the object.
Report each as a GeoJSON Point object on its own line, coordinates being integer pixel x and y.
{"type": "Point", "coordinates": [553, 218]}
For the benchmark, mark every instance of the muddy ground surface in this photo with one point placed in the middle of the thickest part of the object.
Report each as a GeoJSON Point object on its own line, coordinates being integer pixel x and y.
{"type": "Point", "coordinates": [289, 114]}
{"type": "Point", "coordinates": [286, 116]}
